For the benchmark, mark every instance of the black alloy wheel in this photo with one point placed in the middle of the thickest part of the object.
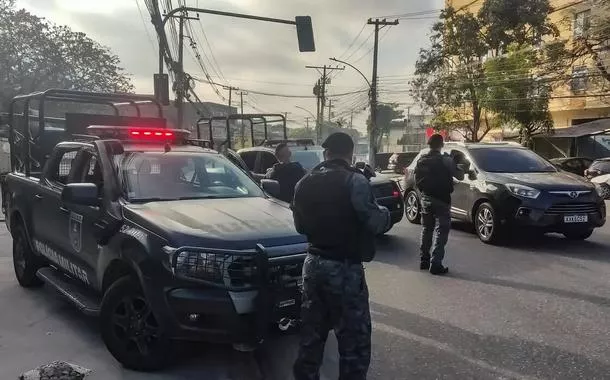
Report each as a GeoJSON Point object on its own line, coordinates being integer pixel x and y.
{"type": "Point", "coordinates": [131, 331]}
{"type": "Point", "coordinates": [412, 207]}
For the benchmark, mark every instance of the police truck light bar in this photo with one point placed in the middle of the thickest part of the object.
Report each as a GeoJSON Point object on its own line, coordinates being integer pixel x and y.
{"type": "Point", "coordinates": [140, 134]}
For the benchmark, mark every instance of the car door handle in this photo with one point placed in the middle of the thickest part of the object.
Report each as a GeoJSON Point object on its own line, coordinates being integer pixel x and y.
{"type": "Point", "coordinates": [38, 197]}
{"type": "Point", "coordinates": [64, 210]}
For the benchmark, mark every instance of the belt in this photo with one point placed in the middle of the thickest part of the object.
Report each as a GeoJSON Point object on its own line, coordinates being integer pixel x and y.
{"type": "Point", "coordinates": [326, 256]}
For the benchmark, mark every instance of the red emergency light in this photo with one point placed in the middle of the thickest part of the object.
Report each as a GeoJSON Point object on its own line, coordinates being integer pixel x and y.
{"type": "Point", "coordinates": [140, 134]}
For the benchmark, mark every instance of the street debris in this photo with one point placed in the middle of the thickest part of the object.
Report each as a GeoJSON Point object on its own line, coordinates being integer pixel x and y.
{"type": "Point", "coordinates": [56, 371]}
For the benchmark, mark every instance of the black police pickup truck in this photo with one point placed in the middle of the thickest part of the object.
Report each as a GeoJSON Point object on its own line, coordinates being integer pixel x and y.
{"type": "Point", "coordinates": [162, 238]}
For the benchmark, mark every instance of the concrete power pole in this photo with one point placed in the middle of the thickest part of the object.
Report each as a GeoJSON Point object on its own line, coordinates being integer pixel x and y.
{"type": "Point", "coordinates": [243, 127]}
{"type": "Point", "coordinates": [322, 96]}
{"type": "Point", "coordinates": [379, 24]}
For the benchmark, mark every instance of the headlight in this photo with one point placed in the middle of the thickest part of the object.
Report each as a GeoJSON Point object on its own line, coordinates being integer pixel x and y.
{"type": "Point", "coordinates": [523, 191]}
{"type": "Point", "coordinates": [599, 189]}
{"type": "Point", "coordinates": [219, 268]}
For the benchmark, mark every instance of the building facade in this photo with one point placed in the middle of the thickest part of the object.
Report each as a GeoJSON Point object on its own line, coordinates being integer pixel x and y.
{"type": "Point", "coordinates": [576, 100]}
{"type": "Point", "coordinates": [408, 135]}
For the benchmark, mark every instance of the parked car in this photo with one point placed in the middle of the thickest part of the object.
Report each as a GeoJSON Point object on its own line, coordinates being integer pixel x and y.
{"type": "Point", "coordinates": [576, 165]}
{"type": "Point", "coordinates": [259, 159]}
{"type": "Point", "coordinates": [399, 161]}
{"type": "Point", "coordinates": [602, 183]}
{"type": "Point", "coordinates": [511, 186]}
{"type": "Point", "coordinates": [598, 167]}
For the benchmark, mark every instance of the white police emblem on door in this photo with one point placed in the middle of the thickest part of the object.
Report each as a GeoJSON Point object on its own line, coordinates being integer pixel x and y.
{"type": "Point", "coordinates": [75, 231]}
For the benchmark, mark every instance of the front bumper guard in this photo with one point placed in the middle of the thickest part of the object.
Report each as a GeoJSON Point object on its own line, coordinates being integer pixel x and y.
{"type": "Point", "coordinates": [261, 274]}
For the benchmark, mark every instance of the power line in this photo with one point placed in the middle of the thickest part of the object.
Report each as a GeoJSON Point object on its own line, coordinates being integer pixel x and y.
{"type": "Point", "coordinates": [150, 39]}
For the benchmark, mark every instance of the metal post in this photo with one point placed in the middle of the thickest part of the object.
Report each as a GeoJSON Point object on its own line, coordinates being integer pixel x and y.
{"type": "Point", "coordinates": [373, 128]}
{"type": "Point", "coordinates": [180, 75]}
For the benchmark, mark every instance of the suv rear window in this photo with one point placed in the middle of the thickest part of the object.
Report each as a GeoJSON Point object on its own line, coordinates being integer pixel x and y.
{"type": "Point", "coordinates": [510, 160]}
{"type": "Point", "coordinates": [308, 159]}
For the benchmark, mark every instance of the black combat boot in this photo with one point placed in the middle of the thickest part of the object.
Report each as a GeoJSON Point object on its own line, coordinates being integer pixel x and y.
{"type": "Point", "coordinates": [424, 264]}
{"type": "Point", "coordinates": [438, 270]}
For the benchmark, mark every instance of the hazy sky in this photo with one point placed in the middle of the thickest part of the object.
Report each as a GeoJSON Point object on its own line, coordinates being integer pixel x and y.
{"type": "Point", "coordinates": [261, 56]}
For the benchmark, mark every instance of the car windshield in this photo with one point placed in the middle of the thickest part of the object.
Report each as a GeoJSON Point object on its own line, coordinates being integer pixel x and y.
{"type": "Point", "coordinates": [602, 166]}
{"type": "Point", "coordinates": [308, 158]}
{"type": "Point", "coordinates": [148, 176]}
{"type": "Point", "coordinates": [510, 160]}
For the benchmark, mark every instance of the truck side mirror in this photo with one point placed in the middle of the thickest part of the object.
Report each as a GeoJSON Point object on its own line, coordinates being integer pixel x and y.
{"type": "Point", "coordinates": [271, 187]}
{"type": "Point", "coordinates": [84, 194]}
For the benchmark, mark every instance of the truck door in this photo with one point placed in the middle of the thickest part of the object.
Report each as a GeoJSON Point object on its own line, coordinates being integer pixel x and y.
{"type": "Point", "coordinates": [48, 216]}
{"type": "Point", "coordinates": [86, 224]}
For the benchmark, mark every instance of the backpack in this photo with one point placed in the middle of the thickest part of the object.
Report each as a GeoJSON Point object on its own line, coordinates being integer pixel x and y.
{"type": "Point", "coordinates": [433, 177]}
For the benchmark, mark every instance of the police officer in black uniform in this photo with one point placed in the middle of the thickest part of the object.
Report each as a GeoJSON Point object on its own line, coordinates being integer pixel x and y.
{"type": "Point", "coordinates": [335, 208]}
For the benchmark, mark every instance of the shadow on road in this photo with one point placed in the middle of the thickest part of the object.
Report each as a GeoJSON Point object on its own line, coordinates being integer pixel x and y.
{"type": "Point", "coordinates": [597, 300]}
{"type": "Point", "coordinates": [508, 357]}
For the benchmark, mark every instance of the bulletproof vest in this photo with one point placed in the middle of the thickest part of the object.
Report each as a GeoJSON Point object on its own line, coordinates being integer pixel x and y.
{"type": "Point", "coordinates": [433, 177]}
{"type": "Point", "coordinates": [330, 222]}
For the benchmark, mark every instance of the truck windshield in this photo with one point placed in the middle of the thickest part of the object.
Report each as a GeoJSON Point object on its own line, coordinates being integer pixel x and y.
{"type": "Point", "coordinates": [155, 176]}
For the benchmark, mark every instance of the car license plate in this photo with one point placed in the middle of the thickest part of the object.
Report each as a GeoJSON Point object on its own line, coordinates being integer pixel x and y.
{"type": "Point", "coordinates": [576, 219]}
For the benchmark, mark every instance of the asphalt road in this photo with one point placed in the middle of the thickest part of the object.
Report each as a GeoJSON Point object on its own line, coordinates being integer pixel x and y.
{"type": "Point", "coordinates": [535, 310]}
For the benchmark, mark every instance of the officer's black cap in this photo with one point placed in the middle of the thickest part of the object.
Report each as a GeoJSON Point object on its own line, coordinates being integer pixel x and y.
{"type": "Point", "coordinates": [339, 143]}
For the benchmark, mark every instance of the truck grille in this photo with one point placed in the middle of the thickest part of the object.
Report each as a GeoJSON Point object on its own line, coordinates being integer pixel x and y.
{"type": "Point", "coordinates": [572, 208]}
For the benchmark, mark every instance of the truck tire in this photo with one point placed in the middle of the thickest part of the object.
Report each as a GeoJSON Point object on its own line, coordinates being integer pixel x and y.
{"type": "Point", "coordinates": [130, 330]}
{"type": "Point", "coordinates": [25, 262]}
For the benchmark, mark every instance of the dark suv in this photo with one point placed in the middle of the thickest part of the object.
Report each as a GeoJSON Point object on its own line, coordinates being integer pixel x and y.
{"type": "Point", "coordinates": [511, 186]}
{"type": "Point", "coordinates": [259, 159]}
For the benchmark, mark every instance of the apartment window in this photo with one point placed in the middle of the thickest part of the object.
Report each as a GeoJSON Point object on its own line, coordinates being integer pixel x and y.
{"type": "Point", "coordinates": [579, 78]}
{"type": "Point", "coordinates": [582, 22]}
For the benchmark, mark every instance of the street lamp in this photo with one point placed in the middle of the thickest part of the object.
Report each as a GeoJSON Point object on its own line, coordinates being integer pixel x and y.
{"type": "Point", "coordinates": [372, 132]}
{"type": "Point", "coordinates": [306, 110]}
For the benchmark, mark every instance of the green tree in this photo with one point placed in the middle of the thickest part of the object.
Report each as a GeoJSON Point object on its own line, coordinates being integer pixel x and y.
{"type": "Point", "coordinates": [37, 55]}
{"type": "Point", "coordinates": [517, 94]}
{"type": "Point", "coordinates": [386, 112]}
{"type": "Point", "coordinates": [301, 133]}
{"type": "Point", "coordinates": [451, 80]}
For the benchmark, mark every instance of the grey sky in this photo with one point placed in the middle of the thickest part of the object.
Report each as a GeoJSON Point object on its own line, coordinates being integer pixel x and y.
{"type": "Point", "coordinates": [261, 56]}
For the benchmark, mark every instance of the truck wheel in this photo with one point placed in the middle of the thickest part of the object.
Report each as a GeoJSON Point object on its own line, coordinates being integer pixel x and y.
{"type": "Point", "coordinates": [578, 234]}
{"type": "Point", "coordinates": [130, 330]}
{"type": "Point", "coordinates": [25, 262]}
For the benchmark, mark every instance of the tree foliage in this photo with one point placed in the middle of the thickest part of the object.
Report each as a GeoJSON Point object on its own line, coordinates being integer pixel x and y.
{"type": "Point", "coordinates": [37, 55]}
{"type": "Point", "coordinates": [452, 79]}
{"type": "Point", "coordinates": [386, 112]}
{"type": "Point", "coordinates": [517, 94]}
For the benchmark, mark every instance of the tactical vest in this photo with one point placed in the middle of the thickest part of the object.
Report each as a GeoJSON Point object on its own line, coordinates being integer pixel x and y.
{"type": "Point", "coordinates": [330, 222]}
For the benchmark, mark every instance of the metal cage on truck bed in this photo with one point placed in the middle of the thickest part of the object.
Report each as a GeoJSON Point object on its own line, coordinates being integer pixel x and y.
{"type": "Point", "coordinates": [206, 126]}
{"type": "Point", "coordinates": [33, 133]}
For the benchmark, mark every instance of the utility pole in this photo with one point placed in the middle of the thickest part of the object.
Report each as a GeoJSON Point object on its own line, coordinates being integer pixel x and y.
{"type": "Point", "coordinates": [307, 123]}
{"type": "Point", "coordinates": [379, 24]}
{"type": "Point", "coordinates": [243, 127]}
{"type": "Point", "coordinates": [351, 120]}
{"type": "Point", "coordinates": [330, 107]}
{"type": "Point", "coordinates": [322, 95]}
{"type": "Point", "coordinates": [181, 87]}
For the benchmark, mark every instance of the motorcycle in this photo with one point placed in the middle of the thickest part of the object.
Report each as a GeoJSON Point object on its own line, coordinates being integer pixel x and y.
{"type": "Point", "coordinates": [602, 184]}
